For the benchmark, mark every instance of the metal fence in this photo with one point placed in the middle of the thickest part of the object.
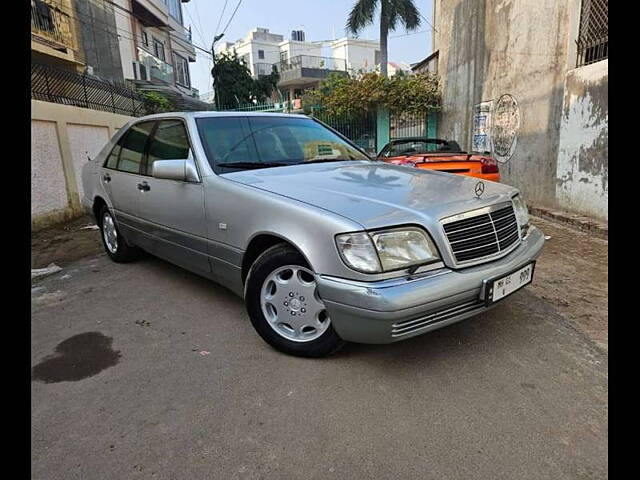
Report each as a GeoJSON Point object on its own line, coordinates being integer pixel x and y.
{"type": "Point", "coordinates": [407, 125]}
{"type": "Point", "coordinates": [360, 129]}
{"type": "Point", "coordinates": [68, 88]}
{"type": "Point", "coordinates": [593, 37]}
{"type": "Point", "coordinates": [258, 107]}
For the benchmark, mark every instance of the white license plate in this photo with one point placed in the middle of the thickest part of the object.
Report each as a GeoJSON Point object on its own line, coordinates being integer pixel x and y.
{"type": "Point", "coordinates": [503, 286]}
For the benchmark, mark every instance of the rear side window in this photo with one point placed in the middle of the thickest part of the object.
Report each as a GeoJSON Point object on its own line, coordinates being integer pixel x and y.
{"type": "Point", "coordinates": [133, 147]}
{"type": "Point", "coordinates": [169, 142]}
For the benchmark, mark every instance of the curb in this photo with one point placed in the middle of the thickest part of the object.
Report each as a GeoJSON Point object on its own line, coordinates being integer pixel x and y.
{"type": "Point", "coordinates": [586, 224]}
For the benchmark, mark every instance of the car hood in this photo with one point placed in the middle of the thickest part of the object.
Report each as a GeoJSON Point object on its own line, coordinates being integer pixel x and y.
{"type": "Point", "coordinates": [376, 194]}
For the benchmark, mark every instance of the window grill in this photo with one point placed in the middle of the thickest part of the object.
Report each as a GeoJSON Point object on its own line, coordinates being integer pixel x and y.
{"type": "Point", "coordinates": [593, 37]}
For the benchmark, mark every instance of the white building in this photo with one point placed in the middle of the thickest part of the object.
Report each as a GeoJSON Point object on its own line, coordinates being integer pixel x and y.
{"type": "Point", "coordinates": [360, 55]}
{"type": "Point", "coordinates": [302, 64]}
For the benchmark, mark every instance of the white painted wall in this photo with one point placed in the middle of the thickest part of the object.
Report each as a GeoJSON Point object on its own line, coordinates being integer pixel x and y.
{"type": "Point", "coordinates": [583, 164]}
{"type": "Point", "coordinates": [85, 141]}
{"type": "Point", "coordinates": [295, 48]}
{"type": "Point", "coordinates": [61, 138]}
{"type": "Point", "coordinates": [48, 192]}
{"type": "Point", "coordinates": [359, 54]}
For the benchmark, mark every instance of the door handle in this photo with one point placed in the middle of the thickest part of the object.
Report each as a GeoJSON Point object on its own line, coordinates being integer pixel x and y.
{"type": "Point", "coordinates": [106, 177]}
{"type": "Point", "coordinates": [144, 187]}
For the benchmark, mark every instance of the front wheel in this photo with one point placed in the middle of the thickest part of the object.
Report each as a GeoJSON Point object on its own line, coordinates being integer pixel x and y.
{"type": "Point", "coordinates": [285, 308]}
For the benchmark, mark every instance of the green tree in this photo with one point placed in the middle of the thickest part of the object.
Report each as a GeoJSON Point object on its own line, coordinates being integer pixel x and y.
{"type": "Point", "coordinates": [392, 13]}
{"type": "Point", "coordinates": [234, 84]}
{"type": "Point", "coordinates": [339, 95]}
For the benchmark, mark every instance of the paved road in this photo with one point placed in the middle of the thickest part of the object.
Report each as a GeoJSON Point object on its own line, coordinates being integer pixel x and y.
{"type": "Point", "coordinates": [516, 393]}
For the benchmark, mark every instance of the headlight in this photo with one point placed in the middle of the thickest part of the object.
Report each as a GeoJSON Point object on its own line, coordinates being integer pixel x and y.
{"type": "Point", "coordinates": [386, 250]}
{"type": "Point", "coordinates": [522, 214]}
{"type": "Point", "coordinates": [358, 252]}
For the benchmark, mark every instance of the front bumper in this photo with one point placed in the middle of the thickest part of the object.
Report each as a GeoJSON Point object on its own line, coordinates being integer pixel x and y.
{"type": "Point", "coordinates": [393, 310]}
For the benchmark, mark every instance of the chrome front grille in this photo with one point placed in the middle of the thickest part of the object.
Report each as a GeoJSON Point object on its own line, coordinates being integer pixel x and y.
{"type": "Point", "coordinates": [486, 233]}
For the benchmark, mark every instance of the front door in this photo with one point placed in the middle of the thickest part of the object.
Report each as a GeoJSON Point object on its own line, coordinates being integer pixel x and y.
{"type": "Point", "coordinates": [173, 211]}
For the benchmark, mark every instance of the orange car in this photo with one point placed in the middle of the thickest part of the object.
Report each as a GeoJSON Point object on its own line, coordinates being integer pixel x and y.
{"type": "Point", "coordinates": [441, 155]}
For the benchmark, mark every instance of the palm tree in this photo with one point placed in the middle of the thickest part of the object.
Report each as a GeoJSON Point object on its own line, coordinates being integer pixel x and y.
{"type": "Point", "coordinates": [391, 12]}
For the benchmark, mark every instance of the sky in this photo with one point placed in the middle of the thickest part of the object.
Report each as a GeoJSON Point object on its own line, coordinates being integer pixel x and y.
{"type": "Point", "coordinates": [318, 18]}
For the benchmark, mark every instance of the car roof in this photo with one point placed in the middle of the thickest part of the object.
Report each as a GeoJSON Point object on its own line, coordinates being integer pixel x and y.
{"type": "Point", "coordinates": [208, 114]}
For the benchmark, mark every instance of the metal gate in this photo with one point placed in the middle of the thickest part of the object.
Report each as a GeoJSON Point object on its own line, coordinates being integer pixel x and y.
{"type": "Point", "coordinates": [360, 129]}
{"type": "Point", "coordinates": [405, 125]}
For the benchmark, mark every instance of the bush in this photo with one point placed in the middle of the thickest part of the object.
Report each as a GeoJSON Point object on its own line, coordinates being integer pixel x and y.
{"type": "Point", "coordinates": [339, 95]}
{"type": "Point", "coordinates": [155, 103]}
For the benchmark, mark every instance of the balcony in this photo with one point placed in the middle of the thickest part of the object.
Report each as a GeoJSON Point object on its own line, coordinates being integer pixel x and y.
{"type": "Point", "coordinates": [152, 13]}
{"type": "Point", "coordinates": [260, 69]}
{"type": "Point", "coordinates": [52, 26]}
{"type": "Point", "coordinates": [306, 70]}
{"type": "Point", "coordinates": [156, 69]}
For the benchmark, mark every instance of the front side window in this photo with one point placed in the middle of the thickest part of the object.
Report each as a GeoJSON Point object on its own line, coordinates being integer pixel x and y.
{"type": "Point", "coordinates": [258, 142]}
{"type": "Point", "coordinates": [170, 142]}
{"type": "Point", "coordinates": [261, 54]}
{"type": "Point", "coordinates": [133, 147]}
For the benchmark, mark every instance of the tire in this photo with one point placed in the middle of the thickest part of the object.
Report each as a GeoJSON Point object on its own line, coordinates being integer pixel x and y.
{"type": "Point", "coordinates": [112, 240]}
{"type": "Point", "coordinates": [284, 307]}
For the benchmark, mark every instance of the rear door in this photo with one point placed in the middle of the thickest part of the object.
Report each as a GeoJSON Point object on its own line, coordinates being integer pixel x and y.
{"type": "Point", "coordinates": [173, 211]}
{"type": "Point", "coordinates": [122, 178]}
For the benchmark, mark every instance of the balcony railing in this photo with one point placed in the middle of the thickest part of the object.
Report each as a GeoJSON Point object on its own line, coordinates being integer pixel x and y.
{"type": "Point", "coordinates": [308, 61]}
{"type": "Point", "coordinates": [54, 85]}
{"type": "Point", "coordinates": [50, 23]}
{"type": "Point", "coordinates": [260, 69]}
{"type": "Point", "coordinates": [156, 68]}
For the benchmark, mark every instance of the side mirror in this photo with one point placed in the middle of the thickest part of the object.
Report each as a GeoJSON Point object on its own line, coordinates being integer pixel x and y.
{"type": "Point", "coordinates": [180, 170]}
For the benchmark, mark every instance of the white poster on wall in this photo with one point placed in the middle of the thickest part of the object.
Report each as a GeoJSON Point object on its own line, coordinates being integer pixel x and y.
{"type": "Point", "coordinates": [482, 127]}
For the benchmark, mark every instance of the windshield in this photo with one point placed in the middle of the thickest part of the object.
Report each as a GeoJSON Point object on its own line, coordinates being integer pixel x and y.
{"type": "Point", "coordinates": [420, 146]}
{"type": "Point", "coordinates": [233, 143]}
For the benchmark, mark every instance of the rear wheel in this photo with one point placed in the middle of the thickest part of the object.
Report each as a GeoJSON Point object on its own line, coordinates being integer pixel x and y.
{"type": "Point", "coordinates": [284, 306]}
{"type": "Point", "coordinates": [114, 244]}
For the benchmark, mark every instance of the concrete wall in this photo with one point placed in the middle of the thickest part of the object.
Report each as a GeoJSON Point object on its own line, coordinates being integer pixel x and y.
{"type": "Point", "coordinates": [62, 137]}
{"type": "Point", "coordinates": [583, 166]}
{"type": "Point", "coordinates": [126, 41]}
{"type": "Point", "coordinates": [100, 42]}
{"type": "Point", "coordinates": [505, 62]}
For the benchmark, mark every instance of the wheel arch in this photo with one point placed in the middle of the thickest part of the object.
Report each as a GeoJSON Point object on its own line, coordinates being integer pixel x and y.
{"type": "Point", "coordinates": [98, 203]}
{"type": "Point", "coordinates": [260, 243]}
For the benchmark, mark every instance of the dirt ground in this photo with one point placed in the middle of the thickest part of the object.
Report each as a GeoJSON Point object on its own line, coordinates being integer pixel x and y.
{"type": "Point", "coordinates": [571, 274]}
{"type": "Point", "coordinates": [65, 243]}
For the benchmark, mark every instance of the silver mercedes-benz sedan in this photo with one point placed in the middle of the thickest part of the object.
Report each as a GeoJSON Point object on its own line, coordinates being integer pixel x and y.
{"type": "Point", "coordinates": [324, 244]}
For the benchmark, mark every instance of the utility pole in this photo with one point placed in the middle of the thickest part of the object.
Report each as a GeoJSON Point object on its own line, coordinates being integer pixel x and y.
{"type": "Point", "coordinates": [213, 60]}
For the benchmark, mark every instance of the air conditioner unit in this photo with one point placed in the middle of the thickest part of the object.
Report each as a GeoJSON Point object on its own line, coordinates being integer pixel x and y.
{"type": "Point", "coordinates": [140, 71]}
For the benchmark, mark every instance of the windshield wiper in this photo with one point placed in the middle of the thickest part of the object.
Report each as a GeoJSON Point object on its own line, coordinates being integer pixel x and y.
{"type": "Point", "coordinates": [252, 164]}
